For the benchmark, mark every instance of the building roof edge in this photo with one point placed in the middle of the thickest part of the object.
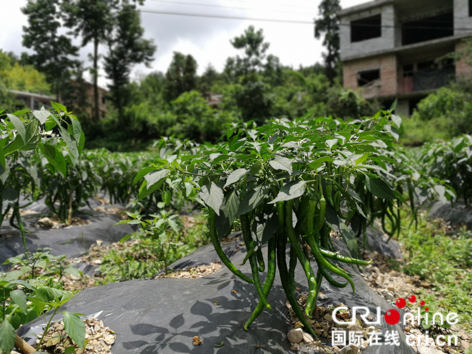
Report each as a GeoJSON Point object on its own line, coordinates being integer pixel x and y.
{"type": "Point", "coordinates": [364, 6]}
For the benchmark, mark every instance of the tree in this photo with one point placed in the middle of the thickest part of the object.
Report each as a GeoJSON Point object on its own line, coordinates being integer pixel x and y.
{"type": "Point", "coordinates": [251, 95]}
{"type": "Point", "coordinates": [127, 47]}
{"type": "Point", "coordinates": [180, 77]}
{"type": "Point", "coordinates": [328, 24]}
{"type": "Point", "coordinates": [25, 78]}
{"type": "Point", "coordinates": [7, 100]}
{"type": "Point", "coordinates": [91, 19]}
{"type": "Point", "coordinates": [209, 77]}
{"type": "Point", "coordinates": [254, 47]}
{"type": "Point", "coordinates": [53, 52]}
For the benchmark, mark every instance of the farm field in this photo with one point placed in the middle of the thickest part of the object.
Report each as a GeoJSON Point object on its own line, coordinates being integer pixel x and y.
{"type": "Point", "coordinates": [287, 219]}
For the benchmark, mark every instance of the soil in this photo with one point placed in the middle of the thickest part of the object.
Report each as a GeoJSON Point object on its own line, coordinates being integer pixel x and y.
{"type": "Point", "coordinates": [99, 338]}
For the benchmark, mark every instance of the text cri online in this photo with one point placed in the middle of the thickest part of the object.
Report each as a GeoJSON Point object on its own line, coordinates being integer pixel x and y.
{"type": "Point", "coordinates": [437, 318]}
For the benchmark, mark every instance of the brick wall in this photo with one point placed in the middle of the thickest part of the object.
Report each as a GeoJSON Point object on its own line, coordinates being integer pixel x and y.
{"type": "Point", "coordinates": [388, 73]}
{"type": "Point", "coordinates": [462, 68]}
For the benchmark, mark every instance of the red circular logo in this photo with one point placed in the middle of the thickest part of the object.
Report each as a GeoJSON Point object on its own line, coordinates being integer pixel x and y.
{"type": "Point", "coordinates": [392, 317]}
{"type": "Point", "coordinates": [426, 309]}
{"type": "Point", "coordinates": [412, 298]}
{"type": "Point", "coordinates": [401, 303]}
{"type": "Point", "coordinates": [422, 303]}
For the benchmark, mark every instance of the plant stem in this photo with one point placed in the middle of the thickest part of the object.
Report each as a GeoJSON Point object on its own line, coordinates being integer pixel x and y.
{"type": "Point", "coordinates": [47, 328]}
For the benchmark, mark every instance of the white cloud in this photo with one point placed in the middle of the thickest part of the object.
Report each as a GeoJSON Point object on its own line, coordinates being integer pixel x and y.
{"type": "Point", "coordinates": [206, 39]}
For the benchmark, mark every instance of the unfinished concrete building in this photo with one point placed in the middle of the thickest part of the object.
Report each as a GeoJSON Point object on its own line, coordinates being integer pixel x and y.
{"type": "Point", "coordinates": [398, 49]}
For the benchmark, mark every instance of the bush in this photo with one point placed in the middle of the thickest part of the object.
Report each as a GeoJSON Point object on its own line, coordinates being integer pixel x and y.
{"type": "Point", "coordinates": [196, 120]}
{"type": "Point", "coordinates": [342, 103]}
{"type": "Point", "coordinates": [452, 104]}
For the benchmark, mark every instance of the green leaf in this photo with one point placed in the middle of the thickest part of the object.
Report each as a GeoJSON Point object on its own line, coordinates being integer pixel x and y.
{"type": "Point", "coordinates": [7, 337]}
{"type": "Point", "coordinates": [69, 350]}
{"type": "Point", "coordinates": [393, 131]}
{"type": "Point", "coordinates": [71, 144]}
{"type": "Point", "coordinates": [81, 142]}
{"type": "Point", "coordinates": [10, 194]}
{"type": "Point", "coordinates": [188, 189]}
{"type": "Point", "coordinates": [362, 159]}
{"type": "Point", "coordinates": [18, 124]}
{"type": "Point", "coordinates": [397, 120]}
{"type": "Point", "coordinates": [212, 196]}
{"type": "Point", "coordinates": [19, 298]}
{"type": "Point", "coordinates": [58, 107]}
{"type": "Point", "coordinates": [252, 199]}
{"type": "Point", "coordinates": [32, 135]}
{"type": "Point", "coordinates": [50, 124]}
{"type": "Point", "coordinates": [15, 145]}
{"type": "Point", "coordinates": [76, 128]}
{"type": "Point", "coordinates": [54, 157]}
{"type": "Point", "coordinates": [225, 220]}
{"type": "Point", "coordinates": [143, 173]}
{"type": "Point", "coordinates": [318, 162]}
{"type": "Point", "coordinates": [331, 142]}
{"type": "Point", "coordinates": [144, 191]}
{"type": "Point", "coordinates": [49, 294]}
{"type": "Point", "coordinates": [4, 172]}
{"type": "Point", "coordinates": [75, 328]}
{"type": "Point", "coordinates": [290, 191]}
{"type": "Point", "coordinates": [379, 188]}
{"type": "Point", "coordinates": [73, 271]}
{"type": "Point", "coordinates": [282, 163]}
{"type": "Point", "coordinates": [21, 111]}
{"type": "Point", "coordinates": [350, 240]}
{"type": "Point", "coordinates": [155, 177]}
{"type": "Point", "coordinates": [13, 275]}
{"type": "Point", "coordinates": [39, 304]}
{"type": "Point", "coordinates": [235, 176]}
{"type": "Point", "coordinates": [42, 115]}
{"type": "Point", "coordinates": [2, 158]}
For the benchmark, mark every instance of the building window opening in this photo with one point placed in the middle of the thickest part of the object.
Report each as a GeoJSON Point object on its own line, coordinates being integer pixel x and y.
{"type": "Point", "coordinates": [408, 70]}
{"type": "Point", "coordinates": [365, 78]}
{"type": "Point", "coordinates": [428, 29]}
{"type": "Point", "coordinates": [366, 28]}
{"type": "Point", "coordinates": [427, 65]}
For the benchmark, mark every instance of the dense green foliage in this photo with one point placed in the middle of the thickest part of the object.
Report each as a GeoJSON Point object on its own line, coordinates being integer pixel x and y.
{"type": "Point", "coordinates": [449, 162]}
{"type": "Point", "coordinates": [328, 24]}
{"type": "Point", "coordinates": [54, 54]}
{"type": "Point", "coordinates": [453, 104]}
{"type": "Point", "coordinates": [27, 148]}
{"type": "Point", "coordinates": [254, 86]}
{"type": "Point", "coordinates": [330, 173]}
{"type": "Point", "coordinates": [442, 258]}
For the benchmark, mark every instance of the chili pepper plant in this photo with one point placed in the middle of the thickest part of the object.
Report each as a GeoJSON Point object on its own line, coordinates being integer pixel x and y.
{"type": "Point", "coordinates": [26, 138]}
{"type": "Point", "coordinates": [326, 174]}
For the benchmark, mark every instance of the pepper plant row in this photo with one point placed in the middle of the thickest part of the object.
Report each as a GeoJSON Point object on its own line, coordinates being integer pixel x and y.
{"type": "Point", "coordinates": [33, 145]}
{"type": "Point", "coordinates": [292, 182]}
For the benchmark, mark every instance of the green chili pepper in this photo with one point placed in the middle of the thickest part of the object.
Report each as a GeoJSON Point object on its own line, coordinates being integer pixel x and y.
{"type": "Point", "coordinates": [260, 260]}
{"type": "Point", "coordinates": [322, 262]}
{"type": "Point", "coordinates": [250, 250]}
{"type": "Point", "coordinates": [219, 250]}
{"type": "Point", "coordinates": [271, 268]}
{"type": "Point", "coordinates": [292, 265]}
{"type": "Point", "coordinates": [319, 279]}
{"type": "Point", "coordinates": [252, 260]}
{"type": "Point", "coordinates": [283, 271]}
{"type": "Point", "coordinates": [330, 279]}
{"type": "Point", "coordinates": [301, 257]}
{"type": "Point", "coordinates": [322, 214]}
{"type": "Point", "coordinates": [338, 257]}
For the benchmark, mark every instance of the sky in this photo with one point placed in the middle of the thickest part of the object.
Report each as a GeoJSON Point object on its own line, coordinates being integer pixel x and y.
{"type": "Point", "coordinates": [207, 39]}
